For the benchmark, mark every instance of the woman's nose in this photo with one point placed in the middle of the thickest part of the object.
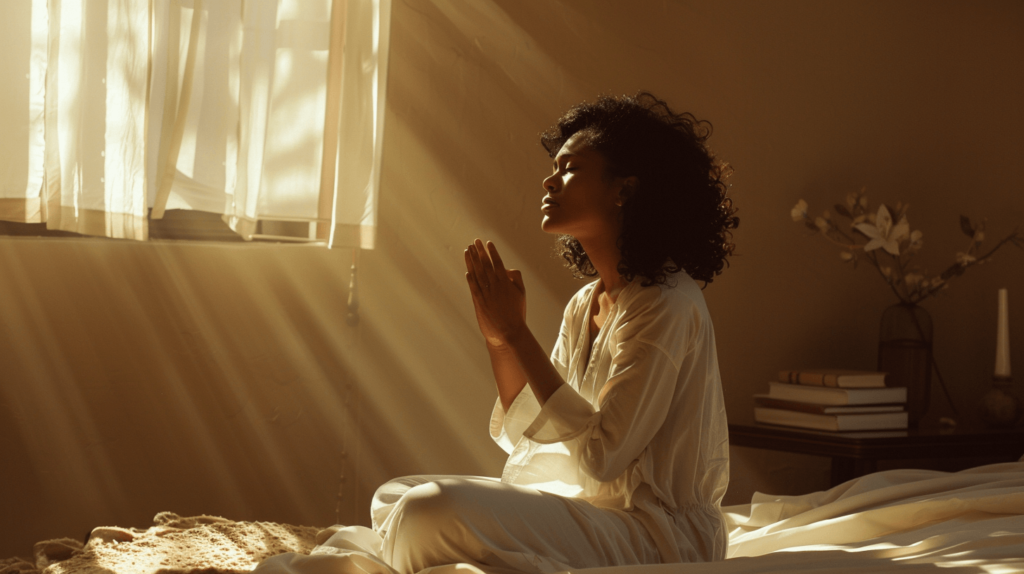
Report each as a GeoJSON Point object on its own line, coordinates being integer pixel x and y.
{"type": "Point", "coordinates": [549, 183]}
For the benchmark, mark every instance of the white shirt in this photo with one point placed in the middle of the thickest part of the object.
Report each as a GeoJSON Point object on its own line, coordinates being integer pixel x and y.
{"type": "Point", "coordinates": [641, 426]}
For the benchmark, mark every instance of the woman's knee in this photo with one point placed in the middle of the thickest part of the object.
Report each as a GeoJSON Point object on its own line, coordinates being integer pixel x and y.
{"type": "Point", "coordinates": [389, 494]}
{"type": "Point", "coordinates": [434, 522]}
{"type": "Point", "coordinates": [417, 534]}
{"type": "Point", "coordinates": [434, 503]}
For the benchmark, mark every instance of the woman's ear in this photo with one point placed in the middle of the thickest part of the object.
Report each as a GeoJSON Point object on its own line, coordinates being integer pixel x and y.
{"type": "Point", "coordinates": [626, 190]}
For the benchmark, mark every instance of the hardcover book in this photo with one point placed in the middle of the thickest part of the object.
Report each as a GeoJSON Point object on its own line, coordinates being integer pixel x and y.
{"type": "Point", "coordinates": [833, 422]}
{"type": "Point", "coordinates": [774, 403]}
{"type": "Point", "coordinates": [834, 378]}
{"type": "Point", "coordinates": [837, 396]}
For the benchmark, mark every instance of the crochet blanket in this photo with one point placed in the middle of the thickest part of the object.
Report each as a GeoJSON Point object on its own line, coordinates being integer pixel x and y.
{"type": "Point", "coordinates": [173, 545]}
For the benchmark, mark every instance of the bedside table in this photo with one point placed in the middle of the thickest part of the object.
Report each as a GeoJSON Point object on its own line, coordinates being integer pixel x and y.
{"type": "Point", "coordinates": [855, 454]}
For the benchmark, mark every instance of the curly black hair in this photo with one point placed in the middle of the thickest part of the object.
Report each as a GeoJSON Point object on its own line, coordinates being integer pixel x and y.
{"type": "Point", "coordinates": [677, 217]}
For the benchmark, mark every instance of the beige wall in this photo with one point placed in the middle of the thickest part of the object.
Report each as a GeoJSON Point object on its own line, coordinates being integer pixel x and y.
{"type": "Point", "coordinates": [218, 379]}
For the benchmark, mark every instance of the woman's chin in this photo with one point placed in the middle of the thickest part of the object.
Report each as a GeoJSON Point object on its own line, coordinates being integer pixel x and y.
{"type": "Point", "coordinates": [547, 225]}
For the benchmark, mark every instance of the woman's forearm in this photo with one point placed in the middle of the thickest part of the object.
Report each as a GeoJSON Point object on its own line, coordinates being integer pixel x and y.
{"type": "Point", "coordinates": [499, 299]}
{"type": "Point", "coordinates": [508, 375]}
{"type": "Point", "coordinates": [535, 365]}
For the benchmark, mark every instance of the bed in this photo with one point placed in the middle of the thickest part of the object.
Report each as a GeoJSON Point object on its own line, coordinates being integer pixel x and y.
{"type": "Point", "coordinates": [897, 520]}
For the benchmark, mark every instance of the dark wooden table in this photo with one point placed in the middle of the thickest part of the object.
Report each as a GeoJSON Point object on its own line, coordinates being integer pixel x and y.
{"type": "Point", "coordinates": [855, 454]}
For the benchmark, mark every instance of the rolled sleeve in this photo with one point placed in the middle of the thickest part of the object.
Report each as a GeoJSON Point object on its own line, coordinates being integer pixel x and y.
{"type": "Point", "coordinates": [507, 428]}
{"type": "Point", "coordinates": [565, 416]}
{"type": "Point", "coordinates": [633, 405]}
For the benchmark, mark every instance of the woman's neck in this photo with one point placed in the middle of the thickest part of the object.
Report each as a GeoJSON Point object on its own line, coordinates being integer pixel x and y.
{"type": "Point", "coordinates": [605, 257]}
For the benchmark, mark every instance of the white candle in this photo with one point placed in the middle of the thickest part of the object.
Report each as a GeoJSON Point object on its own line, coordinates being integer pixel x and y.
{"type": "Point", "coordinates": [1003, 338]}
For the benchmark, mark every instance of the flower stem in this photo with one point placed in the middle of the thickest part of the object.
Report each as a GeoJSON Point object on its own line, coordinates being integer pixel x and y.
{"type": "Point", "coordinates": [956, 269]}
{"type": "Point", "coordinates": [873, 258]}
{"type": "Point", "coordinates": [903, 280]}
{"type": "Point", "coordinates": [1010, 237]}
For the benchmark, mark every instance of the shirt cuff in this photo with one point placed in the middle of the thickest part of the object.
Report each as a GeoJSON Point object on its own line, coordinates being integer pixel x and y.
{"type": "Point", "coordinates": [565, 416]}
{"type": "Point", "coordinates": [507, 427]}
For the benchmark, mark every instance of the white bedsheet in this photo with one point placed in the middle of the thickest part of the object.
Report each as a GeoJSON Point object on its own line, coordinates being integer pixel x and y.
{"type": "Point", "coordinates": [900, 520]}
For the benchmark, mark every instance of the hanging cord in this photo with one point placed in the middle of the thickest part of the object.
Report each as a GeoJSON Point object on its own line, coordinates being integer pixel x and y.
{"type": "Point", "coordinates": [342, 477]}
{"type": "Point", "coordinates": [350, 401]}
{"type": "Point", "coordinates": [355, 462]}
{"type": "Point", "coordinates": [352, 317]}
{"type": "Point", "coordinates": [349, 458]}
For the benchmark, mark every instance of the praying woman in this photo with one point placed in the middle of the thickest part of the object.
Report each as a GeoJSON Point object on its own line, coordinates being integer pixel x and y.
{"type": "Point", "coordinates": [617, 440]}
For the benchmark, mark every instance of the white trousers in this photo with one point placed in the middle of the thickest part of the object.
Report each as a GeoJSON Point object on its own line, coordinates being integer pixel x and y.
{"type": "Point", "coordinates": [431, 520]}
{"type": "Point", "coordinates": [422, 522]}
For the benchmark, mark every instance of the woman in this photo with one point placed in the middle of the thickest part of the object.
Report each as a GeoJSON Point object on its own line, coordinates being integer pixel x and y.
{"type": "Point", "coordinates": [618, 447]}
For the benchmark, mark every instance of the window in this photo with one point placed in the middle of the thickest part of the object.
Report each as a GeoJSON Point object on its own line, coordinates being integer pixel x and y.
{"type": "Point", "coordinates": [215, 119]}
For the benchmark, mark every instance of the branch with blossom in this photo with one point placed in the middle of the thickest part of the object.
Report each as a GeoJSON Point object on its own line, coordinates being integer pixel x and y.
{"type": "Point", "coordinates": [884, 239]}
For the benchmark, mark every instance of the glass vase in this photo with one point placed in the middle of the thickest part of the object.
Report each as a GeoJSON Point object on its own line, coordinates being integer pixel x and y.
{"type": "Point", "coordinates": [905, 355]}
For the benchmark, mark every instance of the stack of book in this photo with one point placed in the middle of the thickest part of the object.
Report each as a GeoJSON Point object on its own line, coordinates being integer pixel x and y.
{"type": "Point", "coordinates": [832, 400]}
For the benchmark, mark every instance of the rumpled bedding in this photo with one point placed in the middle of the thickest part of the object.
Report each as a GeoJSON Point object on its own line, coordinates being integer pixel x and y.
{"type": "Point", "coordinates": [173, 545]}
{"type": "Point", "coordinates": [892, 521]}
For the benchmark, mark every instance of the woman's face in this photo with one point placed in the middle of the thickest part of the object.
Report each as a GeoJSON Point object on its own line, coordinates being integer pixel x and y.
{"type": "Point", "coordinates": [581, 199]}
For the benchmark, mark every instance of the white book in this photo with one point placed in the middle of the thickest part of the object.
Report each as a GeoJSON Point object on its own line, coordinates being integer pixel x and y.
{"type": "Point", "coordinates": [774, 403]}
{"type": "Point", "coordinates": [835, 395]}
{"type": "Point", "coordinates": [838, 422]}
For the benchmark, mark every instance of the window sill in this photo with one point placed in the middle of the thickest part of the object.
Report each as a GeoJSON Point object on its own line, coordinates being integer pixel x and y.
{"type": "Point", "coordinates": [182, 225]}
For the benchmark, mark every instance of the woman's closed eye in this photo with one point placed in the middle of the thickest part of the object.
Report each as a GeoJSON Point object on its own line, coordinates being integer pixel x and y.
{"type": "Point", "coordinates": [556, 168]}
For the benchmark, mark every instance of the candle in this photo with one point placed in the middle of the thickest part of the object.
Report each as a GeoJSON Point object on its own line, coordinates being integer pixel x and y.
{"type": "Point", "coordinates": [1003, 338]}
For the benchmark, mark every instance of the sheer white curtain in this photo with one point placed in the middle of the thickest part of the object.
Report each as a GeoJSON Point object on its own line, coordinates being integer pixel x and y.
{"type": "Point", "coordinates": [246, 108]}
{"type": "Point", "coordinates": [73, 115]}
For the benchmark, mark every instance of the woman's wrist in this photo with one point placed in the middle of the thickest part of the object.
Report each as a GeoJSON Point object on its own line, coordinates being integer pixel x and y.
{"type": "Point", "coordinates": [543, 378]}
{"type": "Point", "coordinates": [497, 346]}
{"type": "Point", "coordinates": [518, 337]}
{"type": "Point", "coordinates": [506, 342]}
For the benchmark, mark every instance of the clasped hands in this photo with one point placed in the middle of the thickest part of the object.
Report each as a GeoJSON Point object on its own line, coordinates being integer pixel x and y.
{"type": "Point", "coordinates": [499, 296]}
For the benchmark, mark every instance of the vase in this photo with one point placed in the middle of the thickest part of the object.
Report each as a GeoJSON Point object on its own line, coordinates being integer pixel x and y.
{"type": "Point", "coordinates": [905, 355]}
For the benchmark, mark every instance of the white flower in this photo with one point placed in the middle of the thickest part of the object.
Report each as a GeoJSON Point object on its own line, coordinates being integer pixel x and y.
{"type": "Point", "coordinates": [912, 279]}
{"type": "Point", "coordinates": [964, 259]}
{"type": "Point", "coordinates": [846, 255]}
{"type": "Point", "coordinates": [822, 224]}
{"type": "Point", "coordinates": [883, 233]}
{"type": "Point", "coordinates": [915, 243]}
{"type": "Point", "coordinates": [799, 211]}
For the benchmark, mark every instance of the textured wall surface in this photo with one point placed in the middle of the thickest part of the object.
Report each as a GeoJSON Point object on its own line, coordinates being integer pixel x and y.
{"type": "Point", "coordinates": [204, 378]}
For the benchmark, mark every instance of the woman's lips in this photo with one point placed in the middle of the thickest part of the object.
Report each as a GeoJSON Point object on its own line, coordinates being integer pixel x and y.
{"type": "Point", "coordinates": [548, 205]}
